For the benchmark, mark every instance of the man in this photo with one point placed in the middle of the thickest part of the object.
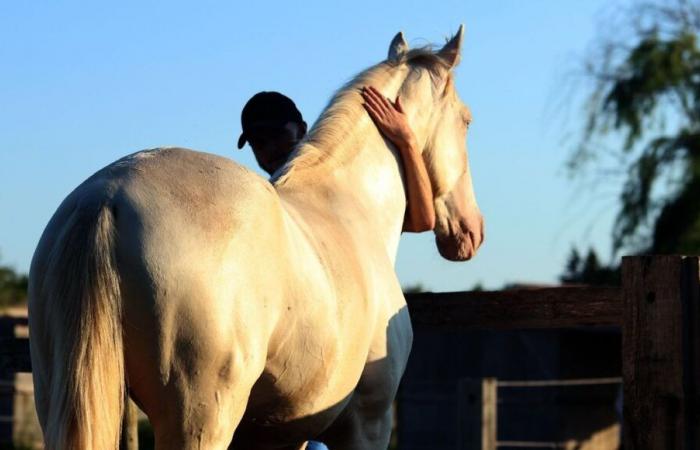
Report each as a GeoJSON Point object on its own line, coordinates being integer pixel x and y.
{"type": "Point", "coordinates": [273, 126]}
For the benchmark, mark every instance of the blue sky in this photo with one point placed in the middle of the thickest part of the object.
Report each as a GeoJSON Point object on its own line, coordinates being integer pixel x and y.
{"type": "Point", "coordinates": [83, 84]}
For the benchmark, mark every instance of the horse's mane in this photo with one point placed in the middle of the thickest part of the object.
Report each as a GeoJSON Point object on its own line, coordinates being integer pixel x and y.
{"type": "Point", "coordinates": [345, 109]}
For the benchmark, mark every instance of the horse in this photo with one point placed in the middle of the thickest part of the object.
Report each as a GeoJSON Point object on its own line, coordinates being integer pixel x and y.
{"type": "Point", "coordinates": [244, 312]}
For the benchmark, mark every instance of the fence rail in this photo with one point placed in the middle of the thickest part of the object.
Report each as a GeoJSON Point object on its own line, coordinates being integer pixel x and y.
{"type": "Point", "coordinates": [557, 307]}
{"type": "Point", "coordinates": [489, 417]}
{"type": "Point", "coordinates": [553, 383]}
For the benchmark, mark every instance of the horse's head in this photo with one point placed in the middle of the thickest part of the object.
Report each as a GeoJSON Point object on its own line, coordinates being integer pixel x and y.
{"type": "Point", "coordinates": [440, 121]}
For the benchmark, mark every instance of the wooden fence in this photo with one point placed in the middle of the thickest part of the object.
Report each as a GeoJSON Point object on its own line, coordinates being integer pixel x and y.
{"type": "Point", "coordinates": [657, 309]}
{"type": "Point", "coordinates": [484, 411]}
{"type": "Point", "coordinates": [14, 357]}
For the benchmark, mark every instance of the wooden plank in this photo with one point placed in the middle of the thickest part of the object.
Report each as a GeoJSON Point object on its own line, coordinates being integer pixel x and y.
{"type": "Point", "coordinates": [7, 375]}
{"type": "Point", "coordinates": [561, 307]}
{"type": "Point", "coordinates": [129, 438]}
{"type": "Point", "coordinates": [657, 295]}
{"type": "Point", "coordinates": [489, 413]}
{"type": "Point", "coordinates": [14, 355]}
{"type": "Point", "coordinates": [559, 383]}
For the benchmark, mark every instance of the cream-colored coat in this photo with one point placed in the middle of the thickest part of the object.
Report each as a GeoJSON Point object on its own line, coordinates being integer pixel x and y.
{"type": "Point", "coordinates": [222, 302]}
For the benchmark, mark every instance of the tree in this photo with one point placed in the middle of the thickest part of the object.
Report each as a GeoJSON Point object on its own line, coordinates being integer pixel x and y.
{"type": "Point", "coordinates": [13, 287]}
{"type": "Point", "coordinates": [413, 289]}
{"type": "Point", "coordinates": [589, 270]}
{"type": "Point", "coordinates": [646, 90]}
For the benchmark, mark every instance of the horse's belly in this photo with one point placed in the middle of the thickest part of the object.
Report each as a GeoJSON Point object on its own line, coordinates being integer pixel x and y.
{"type": "Point", "coordinates": [305, 386]}
{"type": "Point", "coordinates": [282, 418]}
{"type": "Point", "coordinates": [267, 427]}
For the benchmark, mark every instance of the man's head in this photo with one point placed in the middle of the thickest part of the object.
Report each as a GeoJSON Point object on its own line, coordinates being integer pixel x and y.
{"type": "Point", "coordinates": [272, 125]}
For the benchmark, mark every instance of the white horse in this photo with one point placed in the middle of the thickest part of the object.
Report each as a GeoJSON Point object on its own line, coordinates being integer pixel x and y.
{"type": "Point", "coordinates": [222, 303]}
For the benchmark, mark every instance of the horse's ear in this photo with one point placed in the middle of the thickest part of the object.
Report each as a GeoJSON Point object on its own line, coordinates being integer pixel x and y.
{"type": "Point", "coordinates": [398, 47]}
{"type": "Point", "coordinates": [452, 50]}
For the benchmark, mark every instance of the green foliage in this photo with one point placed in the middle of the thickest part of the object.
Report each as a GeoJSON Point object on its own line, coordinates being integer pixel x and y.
{"type": "Point", "coordinates": [589, 270]}
{"type": "Point", "coordinates": [414, 289]}
{"type": "Point", "coordinates": [478, 287]}
{"type": "Point", "coordinates": [13, 287]}
{"type": "Point", "coordinates": [655, 68]}
{"type": "Point", "coordinates": [649, 92]}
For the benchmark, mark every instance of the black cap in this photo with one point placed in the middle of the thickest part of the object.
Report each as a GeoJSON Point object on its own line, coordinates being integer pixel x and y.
{"type": "Point", "coordinates": [267, 109]}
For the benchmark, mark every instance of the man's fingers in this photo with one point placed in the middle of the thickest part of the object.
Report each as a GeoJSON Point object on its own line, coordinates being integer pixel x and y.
{"type": "Point", "coordinates": [376, 105]}
{"type": "Point", "coordinates": [381, 101]}
{"type": "Point", "coordinates": [375, 91]}
{"type": "Point", "coordinates": [376, 95]}
{"type": "Point", "coordinates": [372, 112]}
{"type": "Point", "coordinates": [385, 101]}
{"type": "Point", "coordinates": [371, 96]}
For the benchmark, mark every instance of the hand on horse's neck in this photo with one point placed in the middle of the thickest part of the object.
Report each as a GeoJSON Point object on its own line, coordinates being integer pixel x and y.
{"type": "Point", "coordinates": [365, 194]}
{"type": "Point", "coordinates": [359, 181]}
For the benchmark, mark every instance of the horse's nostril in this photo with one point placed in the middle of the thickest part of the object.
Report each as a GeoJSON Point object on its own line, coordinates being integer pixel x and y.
{"type": "Point", "coordinates": [483, 231]}
{"type": "Point", "coordinates": [472, 242]}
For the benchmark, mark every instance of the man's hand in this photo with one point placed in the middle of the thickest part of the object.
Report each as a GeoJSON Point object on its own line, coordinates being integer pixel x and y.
{"type": "Point", "coordinates": [391, 121]}
{"type": "Point", "coordinates": [389, 117]}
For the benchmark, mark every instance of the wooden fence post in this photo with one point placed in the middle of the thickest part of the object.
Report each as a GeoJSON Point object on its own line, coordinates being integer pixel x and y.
{"type": "Point", "coordinates": [660, 348]}
{"type": "Point", "coordinates": [478, 414]}
{"type": "Point", "coordinates": [489, 413]}
{"type": "Point", "coordinates": [7, 379]}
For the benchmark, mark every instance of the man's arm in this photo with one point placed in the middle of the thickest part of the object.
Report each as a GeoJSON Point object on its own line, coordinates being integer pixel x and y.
{"type": "Point", "coordinates": [391, 121]}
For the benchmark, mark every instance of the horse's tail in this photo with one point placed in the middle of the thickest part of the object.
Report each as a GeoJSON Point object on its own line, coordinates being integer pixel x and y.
{"type": "Point", "coordinates": [76, 335]}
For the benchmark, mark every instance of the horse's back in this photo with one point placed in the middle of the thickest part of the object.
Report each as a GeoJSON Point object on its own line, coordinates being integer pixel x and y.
{"type": "Point", "coordinates": [210, 192]}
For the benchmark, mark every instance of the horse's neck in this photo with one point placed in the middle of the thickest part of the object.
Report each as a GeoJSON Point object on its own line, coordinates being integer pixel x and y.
{"type": "Point", "coordinates": [364, 195]}
{"type": "Point", "coordinates": [346, 171]}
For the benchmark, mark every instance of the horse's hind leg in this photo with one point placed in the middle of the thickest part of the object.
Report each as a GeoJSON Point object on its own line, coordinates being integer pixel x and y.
{"type": "Point", "coordinates": [199, 399]}
{"type": "Point", "coordinates": [366, 422]}
{"type": "Point", "coordinates": [202, 415]}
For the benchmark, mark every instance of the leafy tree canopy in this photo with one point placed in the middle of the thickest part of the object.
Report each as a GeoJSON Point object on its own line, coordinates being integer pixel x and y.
{"type": "Point", "coordinates": [13, 287]}
{"type": "Point", "coordinates": [646, 89]}
{"type": "Point", "coordinates": [589, 270]}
